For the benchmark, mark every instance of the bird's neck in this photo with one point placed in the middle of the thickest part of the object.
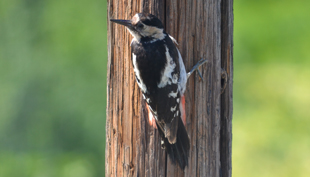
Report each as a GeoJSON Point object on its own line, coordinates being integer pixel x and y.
{"type": "Point", "coordinates": [154, 38]}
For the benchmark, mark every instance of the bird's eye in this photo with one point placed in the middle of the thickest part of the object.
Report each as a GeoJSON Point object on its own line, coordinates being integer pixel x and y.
{"type": "Point", "coordinates": [140, 25]}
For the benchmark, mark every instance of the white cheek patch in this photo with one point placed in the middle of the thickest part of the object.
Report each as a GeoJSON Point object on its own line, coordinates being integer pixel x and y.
{"type": "Point", "coordinates": [157, 33]}
{"type": "Point", "coordinates": [154, 32]}
{"type": "Point", "coordinates": [169, 68]}
{"type": "Point", "coordinates": [137, 72]}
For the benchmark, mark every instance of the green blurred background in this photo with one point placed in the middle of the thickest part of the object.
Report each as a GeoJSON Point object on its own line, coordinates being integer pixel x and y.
{"type": "Point", "coordinates": [53, 57]}
{"type": "Point", "coordinates": [53, 85]}
{"type": "Point", "coordinates": [271, 119]}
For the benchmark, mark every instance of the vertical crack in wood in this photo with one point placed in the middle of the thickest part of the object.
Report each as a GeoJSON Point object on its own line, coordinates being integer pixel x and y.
{"type": "Point", "coordinates": [226, 97]}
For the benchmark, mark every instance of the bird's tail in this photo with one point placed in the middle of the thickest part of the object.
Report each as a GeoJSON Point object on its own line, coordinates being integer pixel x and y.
{"type": "Point", "coordinates": [179, 151]}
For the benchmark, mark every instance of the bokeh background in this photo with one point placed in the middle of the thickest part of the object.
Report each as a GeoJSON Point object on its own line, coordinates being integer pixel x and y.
{"type": "Point", "coordinates": [53, 57]}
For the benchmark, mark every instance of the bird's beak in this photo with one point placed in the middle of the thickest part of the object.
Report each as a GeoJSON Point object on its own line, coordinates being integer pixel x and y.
{"type": "Point", "coordinates": [126, 23]}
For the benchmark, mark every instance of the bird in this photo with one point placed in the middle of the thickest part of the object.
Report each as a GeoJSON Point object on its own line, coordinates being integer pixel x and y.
{"type": "Point", "coordinates": [161, 76]}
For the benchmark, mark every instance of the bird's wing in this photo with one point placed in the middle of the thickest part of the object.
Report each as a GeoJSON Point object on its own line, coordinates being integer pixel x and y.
{"type": "Point", "coordinates": [165, 106]}
{"type": "Point", "coordinates": [166, 102]}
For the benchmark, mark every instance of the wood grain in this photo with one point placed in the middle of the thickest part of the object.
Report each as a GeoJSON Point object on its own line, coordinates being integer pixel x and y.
{"type": "Point", "coordinates": [203, 29]}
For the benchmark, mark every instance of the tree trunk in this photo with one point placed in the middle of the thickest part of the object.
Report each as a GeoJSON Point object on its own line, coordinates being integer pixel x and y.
{"type": "Point", "coordinates": [203, 29]}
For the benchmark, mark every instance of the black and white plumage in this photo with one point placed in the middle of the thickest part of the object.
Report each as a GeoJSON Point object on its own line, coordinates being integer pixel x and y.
{"type": "Point", "coordinates": [161, 76]}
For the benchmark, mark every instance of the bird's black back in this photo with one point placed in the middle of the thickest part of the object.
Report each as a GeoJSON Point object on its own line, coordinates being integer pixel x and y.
{"type": "Point", "coordinates": [151, 58]}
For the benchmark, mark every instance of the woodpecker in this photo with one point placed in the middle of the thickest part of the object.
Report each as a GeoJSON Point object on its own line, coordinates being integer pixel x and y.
{"type": "Point", "coordinates": [161, 75]}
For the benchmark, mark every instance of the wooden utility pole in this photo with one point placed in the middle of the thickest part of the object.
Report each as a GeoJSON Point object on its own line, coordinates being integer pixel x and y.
{"type": "Point", "coordinates": [203, 29]}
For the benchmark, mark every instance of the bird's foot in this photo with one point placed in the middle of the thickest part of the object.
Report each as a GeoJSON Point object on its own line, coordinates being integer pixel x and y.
{"type": "Point", "coordinates": [196, 68]}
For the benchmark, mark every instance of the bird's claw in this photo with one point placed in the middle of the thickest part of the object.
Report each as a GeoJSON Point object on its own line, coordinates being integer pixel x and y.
{"type": "Point", "coordinates": [196, 68]}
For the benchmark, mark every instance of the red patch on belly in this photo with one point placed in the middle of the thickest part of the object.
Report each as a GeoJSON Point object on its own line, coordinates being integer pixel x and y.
{"type": "Point", "coordinates": [151, 117]}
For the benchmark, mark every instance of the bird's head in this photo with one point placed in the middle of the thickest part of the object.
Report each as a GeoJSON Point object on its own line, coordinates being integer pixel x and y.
{"type": "Point", "coordinates": [143, 27]}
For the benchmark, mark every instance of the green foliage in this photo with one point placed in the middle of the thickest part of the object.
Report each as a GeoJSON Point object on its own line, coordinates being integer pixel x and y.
{"type": "Point", "coordinates": [271, 135]}
{"type": "Point", "coordinates": [53, 83]}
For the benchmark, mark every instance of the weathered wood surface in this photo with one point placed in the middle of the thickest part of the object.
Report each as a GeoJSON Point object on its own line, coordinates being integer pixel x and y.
{"type": "Point", "coordinates": [226, 96]}
{"type": "Point", "coordinates": [203, 29]}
